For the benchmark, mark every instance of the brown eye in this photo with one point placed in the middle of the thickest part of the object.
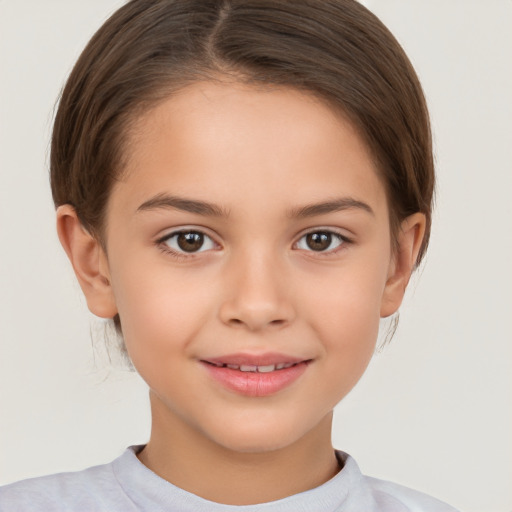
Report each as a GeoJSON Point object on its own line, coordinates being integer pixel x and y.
{"type": "Point", "coordinates": [320, 241]}
{"type": "Point", "coordinates": [188, 241]}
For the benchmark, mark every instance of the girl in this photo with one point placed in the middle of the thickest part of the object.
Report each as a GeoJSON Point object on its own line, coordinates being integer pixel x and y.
{"type": "Point", "coordinates": [244, 188]}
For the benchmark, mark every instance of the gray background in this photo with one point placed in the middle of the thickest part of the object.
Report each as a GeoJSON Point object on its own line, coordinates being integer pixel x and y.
{"type": "Point", "coordinates": [434, 409]}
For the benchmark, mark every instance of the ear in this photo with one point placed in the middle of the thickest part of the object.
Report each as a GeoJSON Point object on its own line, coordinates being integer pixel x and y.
{"type": "Point", "coordinates": [410, 237]}
{"type": "Point", "coordinates": [89, 262]}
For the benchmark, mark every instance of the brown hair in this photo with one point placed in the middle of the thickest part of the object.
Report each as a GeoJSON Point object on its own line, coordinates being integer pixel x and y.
{"type": "Point", "coordinates": [335, 49]}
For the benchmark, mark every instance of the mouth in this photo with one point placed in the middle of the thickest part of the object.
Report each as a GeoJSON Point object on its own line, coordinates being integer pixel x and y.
{"type": "Point", "coordinates": [255, 376]}
{"type": "Point", "coordinates": [267, 368]}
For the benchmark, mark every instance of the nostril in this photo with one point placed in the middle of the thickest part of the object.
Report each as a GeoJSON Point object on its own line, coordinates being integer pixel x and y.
{"type": "Point", "coordinates": [236, 322]}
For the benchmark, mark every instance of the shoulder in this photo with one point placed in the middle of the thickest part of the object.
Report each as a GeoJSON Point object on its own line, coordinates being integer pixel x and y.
{"type": "Point", "coordinates": [94, 489]}
{"type": "Point", "coordinates": [386, 496]}
{"type": "Point", "coordinates": [411, 500]}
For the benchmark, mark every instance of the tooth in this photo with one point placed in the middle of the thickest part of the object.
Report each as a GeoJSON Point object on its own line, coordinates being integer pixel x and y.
{"type": "Point", "coordinates": [233, 366]}
{"type": "Point", "coordinates": [288, 365]}
{"type": "Point", "coordinates": [279, 366]}
{"type": "Point", "coordinates": [266, 369]}
{"type": "Point", "coordinates": [248, 368]}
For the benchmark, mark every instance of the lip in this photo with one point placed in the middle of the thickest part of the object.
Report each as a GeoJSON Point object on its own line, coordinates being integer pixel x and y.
{"type": "Point", "coordinates": [263, 359]}
{"type": "Point", "coordinates": [254, 383]}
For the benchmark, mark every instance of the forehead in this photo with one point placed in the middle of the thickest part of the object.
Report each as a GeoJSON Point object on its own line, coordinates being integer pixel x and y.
{"type": "Point", "coordinates": [271, 146]}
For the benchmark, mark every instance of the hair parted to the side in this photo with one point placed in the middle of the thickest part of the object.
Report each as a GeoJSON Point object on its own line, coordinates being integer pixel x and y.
{"type": "Point", "coordinates": [148, 49]}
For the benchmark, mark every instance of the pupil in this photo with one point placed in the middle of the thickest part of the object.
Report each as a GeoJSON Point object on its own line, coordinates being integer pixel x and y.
{"type": "Point", "coordinates": [191, 241]}
{"type": "Point", "coordinates": [319, 241]}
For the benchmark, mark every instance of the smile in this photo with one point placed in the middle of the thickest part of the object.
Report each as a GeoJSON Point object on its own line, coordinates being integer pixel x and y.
{"type": "Point", "coordinates": [254, 368]}
{"type": "Point", "coordinates": [255, 376]}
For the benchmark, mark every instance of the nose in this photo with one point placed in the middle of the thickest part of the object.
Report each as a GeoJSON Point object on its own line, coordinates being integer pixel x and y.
{"type": "Point", "coordinates": [257, 296]}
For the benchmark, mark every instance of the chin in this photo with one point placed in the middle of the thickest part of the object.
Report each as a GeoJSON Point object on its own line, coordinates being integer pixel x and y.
{"type": "Point", "coordinates": [263, 436]}
{"type": "Point", "coordinates": [255, 444]}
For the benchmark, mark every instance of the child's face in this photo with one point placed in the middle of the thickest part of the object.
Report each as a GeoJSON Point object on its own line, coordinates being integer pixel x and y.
{"type": "Point", "coordinates": [246, 285]}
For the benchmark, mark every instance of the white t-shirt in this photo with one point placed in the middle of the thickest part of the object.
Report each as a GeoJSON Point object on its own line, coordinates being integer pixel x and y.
{"type": "Point", "coordinates": [126, 485]}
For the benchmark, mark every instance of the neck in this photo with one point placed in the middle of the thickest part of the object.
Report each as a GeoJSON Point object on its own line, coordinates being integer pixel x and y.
{"type": "Point", "coordinates": [193, 462]}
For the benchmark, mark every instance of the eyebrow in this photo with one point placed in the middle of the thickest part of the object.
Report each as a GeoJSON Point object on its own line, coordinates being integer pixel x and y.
{"type": "Point", "coordinates": [333, 205]}
{"type": "Point", "coordinates": [163, 201]}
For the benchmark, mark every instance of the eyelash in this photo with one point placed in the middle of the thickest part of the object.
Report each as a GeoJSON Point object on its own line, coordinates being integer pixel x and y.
{"type": "Point", "coordinates": [164, 247]}
{"type": "Point", "coordinates": [343, 242]}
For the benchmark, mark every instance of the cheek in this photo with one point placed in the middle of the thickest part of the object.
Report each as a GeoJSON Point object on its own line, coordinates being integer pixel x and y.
{"type": "Point", "coordinates": [345, 315]}
{"type": "Point", "coordinates": [348, 328]}
{"type": "Point", "coordinates": [160, 318]}
{"type": "Point", "coordinates": [348, 300]}
{"type": "Point", "coordinates": [349, 335]}
{"type": "Point", "coordinates": [159, 308]}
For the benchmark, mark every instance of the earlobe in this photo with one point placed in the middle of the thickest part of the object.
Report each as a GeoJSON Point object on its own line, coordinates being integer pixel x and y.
{"type": "Point", "coordinates": [89, 262]}
{"type": "Point", "coordinates": [410, 238]}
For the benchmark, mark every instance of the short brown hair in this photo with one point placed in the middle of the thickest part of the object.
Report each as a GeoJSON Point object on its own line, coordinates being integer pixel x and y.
{"type": "Point", "coordinates": [335, 49]}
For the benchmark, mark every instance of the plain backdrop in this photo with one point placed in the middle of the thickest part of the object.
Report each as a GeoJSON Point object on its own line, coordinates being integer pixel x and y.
{"type": "Point", "coordinates": [433, 411]}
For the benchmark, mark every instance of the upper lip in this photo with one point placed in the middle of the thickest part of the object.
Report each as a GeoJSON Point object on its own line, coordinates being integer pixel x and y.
{"type": "Point", "coordinates": [263, 359]}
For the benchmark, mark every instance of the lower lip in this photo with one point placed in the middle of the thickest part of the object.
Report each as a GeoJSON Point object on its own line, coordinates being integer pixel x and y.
{"type": "Point", "coordinates": [256, 383]}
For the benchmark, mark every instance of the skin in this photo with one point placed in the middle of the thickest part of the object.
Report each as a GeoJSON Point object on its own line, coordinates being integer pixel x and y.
{"type": "Point", "coordinates": [260, 155]}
